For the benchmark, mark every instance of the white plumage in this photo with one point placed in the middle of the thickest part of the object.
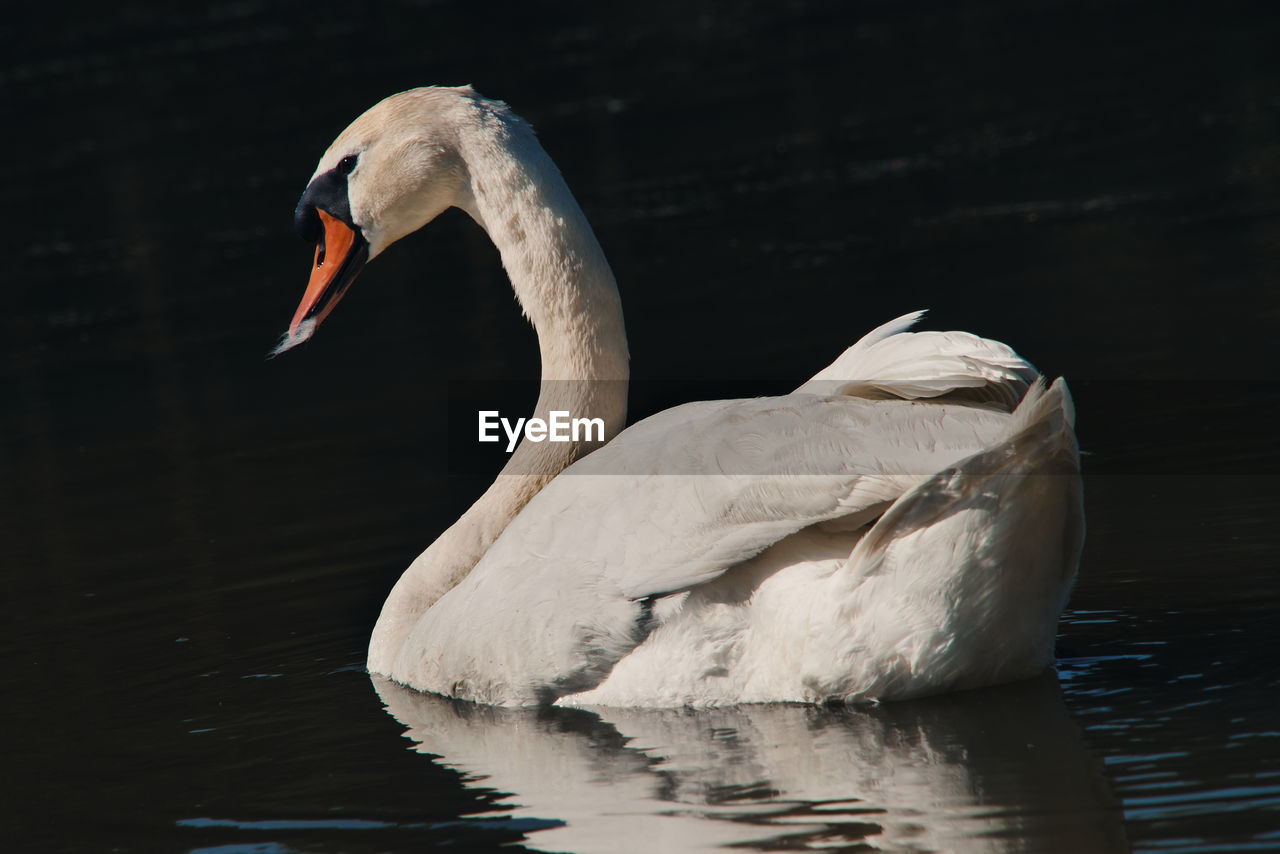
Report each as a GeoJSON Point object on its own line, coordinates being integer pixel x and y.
{"type": "Point", "coordinates": [907, 522]}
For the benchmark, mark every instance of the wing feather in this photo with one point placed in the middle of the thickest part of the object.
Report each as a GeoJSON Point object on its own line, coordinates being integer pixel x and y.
{"type": "Point", "coordinates": [670, 504]}
{"type": "Point", "coordinates": [890, 361]}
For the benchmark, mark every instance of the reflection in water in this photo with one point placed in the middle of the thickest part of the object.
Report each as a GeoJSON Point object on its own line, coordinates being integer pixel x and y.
{"type": "Point", "coordinates": [1002, 769]}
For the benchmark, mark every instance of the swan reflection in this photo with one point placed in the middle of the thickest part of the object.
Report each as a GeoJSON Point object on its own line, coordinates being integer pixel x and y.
{"type": "Point", "coordinates": [1002, 769]}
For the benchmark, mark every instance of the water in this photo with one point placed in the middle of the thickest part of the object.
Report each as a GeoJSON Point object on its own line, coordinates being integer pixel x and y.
{"type": "Point", "coordinates": [197, 540]}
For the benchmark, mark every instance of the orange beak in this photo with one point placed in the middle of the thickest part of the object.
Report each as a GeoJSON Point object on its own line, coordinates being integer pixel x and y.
{"type": "Point", "coordinates": [341, 253]}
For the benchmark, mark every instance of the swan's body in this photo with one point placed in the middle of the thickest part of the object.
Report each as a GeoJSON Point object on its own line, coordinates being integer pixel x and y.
{"type": "Point", "coordinates": [906, 522]}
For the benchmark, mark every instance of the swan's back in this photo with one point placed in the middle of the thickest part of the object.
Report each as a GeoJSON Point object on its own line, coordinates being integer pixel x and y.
{"type": "Point", "coordinates": [801, 548]}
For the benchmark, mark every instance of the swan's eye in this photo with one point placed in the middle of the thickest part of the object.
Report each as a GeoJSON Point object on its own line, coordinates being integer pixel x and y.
{"type": "Point", "coordinates": [347, 165]}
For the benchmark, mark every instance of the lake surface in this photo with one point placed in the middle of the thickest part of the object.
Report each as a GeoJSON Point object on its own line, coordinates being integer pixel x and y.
{"type": "Point", "coordinates": [196, 540]}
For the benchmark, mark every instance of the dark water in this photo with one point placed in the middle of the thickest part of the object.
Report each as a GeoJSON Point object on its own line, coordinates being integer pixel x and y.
{"type": "Point", "coordinates": [196, 541]}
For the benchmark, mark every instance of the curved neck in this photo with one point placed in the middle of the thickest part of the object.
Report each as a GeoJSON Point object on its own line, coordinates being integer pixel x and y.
{"type": "Point", "coordinates": [558, 272]}
{"type": "Point", "coordinates": [566, 289]}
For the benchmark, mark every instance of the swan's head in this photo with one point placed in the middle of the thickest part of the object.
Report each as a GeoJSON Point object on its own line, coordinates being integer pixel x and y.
{"type": "Point", "coordinates": [391, 172]}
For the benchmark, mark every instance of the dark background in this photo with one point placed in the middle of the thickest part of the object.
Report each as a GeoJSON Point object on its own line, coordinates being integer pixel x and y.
{"type": "Point", "coordinates": [197, 539]}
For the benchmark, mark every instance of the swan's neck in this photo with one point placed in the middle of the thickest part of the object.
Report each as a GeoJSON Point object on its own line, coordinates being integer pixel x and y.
{"type": "Point", "coordinates": [566, 289]}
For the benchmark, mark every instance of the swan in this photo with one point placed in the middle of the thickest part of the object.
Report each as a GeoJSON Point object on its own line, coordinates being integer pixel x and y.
{"type": "Point", "coordinates": [907, 522]}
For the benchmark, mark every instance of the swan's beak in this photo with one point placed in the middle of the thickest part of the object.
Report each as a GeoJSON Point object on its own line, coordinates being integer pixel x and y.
{"type": "Point", "coordinates": [341, 252]}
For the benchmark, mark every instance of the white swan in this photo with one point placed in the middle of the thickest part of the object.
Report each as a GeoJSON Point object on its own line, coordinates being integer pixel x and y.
{"type": "Point", "coordinates": [907, 522]}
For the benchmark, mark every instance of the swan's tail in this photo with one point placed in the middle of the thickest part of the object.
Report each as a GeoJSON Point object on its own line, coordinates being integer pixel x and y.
{"type": "Point", "coordinates": [889, 361]}
{"type": "Point", "coordinates": [961, 582]}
